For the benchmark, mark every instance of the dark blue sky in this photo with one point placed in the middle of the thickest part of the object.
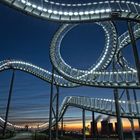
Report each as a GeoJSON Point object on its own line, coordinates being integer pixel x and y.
{"type": "Point", "coordinates": [27, 38]}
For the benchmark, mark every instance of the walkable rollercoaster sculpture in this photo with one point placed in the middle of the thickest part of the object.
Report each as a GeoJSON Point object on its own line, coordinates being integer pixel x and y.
{"type": "Point", "coordinates": [104, 14]}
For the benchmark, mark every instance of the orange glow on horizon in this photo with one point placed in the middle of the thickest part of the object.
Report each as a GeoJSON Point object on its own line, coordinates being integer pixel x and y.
{"type": "Point", "coordinates": [78, 125]}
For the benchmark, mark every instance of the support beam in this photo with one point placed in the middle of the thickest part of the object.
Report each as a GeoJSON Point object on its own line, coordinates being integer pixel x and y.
{"type": "Point", "coordinates": [57, 111]}
{"type": "Point", "coordinates": [84, 125]}
{"type": "Point", "coordinates": [118, 115]}
{"type": "Point", "coordinates": [130, 110]}
{"type": "Point", "coordinates": [51, 106]}
{"type": "Point", "coordinates": [133, 129]}
{"type": "Point", "coordinates": [62, 127]}
{"type": "Point", "coordinates": [135, 50]}
{"type": "Point", "coordinates": [136, 104]}
{"type": "Point", "coordinates": [93, 125]}
{"type": "Point", "coordinates": [9, 101]}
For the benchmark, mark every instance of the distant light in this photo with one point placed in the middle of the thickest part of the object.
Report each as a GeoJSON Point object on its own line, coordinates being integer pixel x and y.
{"type": "Point", "coordinates": [91, 12]}
{"type": "Point", "coordinates": [97, 11]}
{"type": "Point", "coordinates": [34, 6]}
{"type": "Point", "coordinates": [108, 10]}
{"type": "Point", "coordinates": [75, 13]}
{"type": "Point", "coordinates": [123, 102]}
{"type": "Point", "coordinates": [60, 12]}
{"type": "Point", "coordinates": [102, 11]}
{"type": "Point", "coordinates": [65, 13]}
{"type": "Point", "coordinates": [23, 1]}
{"type": "Point", "coordinates": [128, 2]}
{"type": "Point", "coordinates": [132, 2]}
{"type": "Point", "coordinates": [55, 12]}
{"type": "Point", "coordinates": [86, 12]}
{"type": "Point", "coordinates": [81, 13]}
{"type": "Point", "coordinates": [44, 9]}
{"type": "Point", "coordinates": [70, 13]}
{"type": "Point", "coordinates": [50, 11]}
{"type": "Point", "coordinates": [39, 8]}
{"type": "Point", "coordinates": [100, 2]}
{"type": "Point", "coordinates": [63, 4]}
{"type": "Point", "coordinates": [28, 3]}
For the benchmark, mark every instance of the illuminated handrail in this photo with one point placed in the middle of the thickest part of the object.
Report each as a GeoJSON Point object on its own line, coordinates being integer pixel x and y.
{"type": "Point", "coordinates": [105, 78]}
{"type": "Point", "coordinates": [94, 11]}
{"type": "Point", "coordinates": [105, 106]}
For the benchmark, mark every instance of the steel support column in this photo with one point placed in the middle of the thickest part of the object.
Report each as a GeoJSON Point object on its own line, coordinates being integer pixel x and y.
{"type": "Point", "coordinates": [118, 115]}
{"type": "Point", "coordinates": [54, 107]}
{"type": "Point", "coordinates": [9, 101]}
{"type": "Point", "coordinates": [84, 125]}
{"type": "Point", "coordinates": [136, 104]}
{"type": "Point", "coordinates": [51, 106]}
{"type": "Point", "coordinates": [62, 127]}
{"type": "Point", "coordinates": [93, 125]}
{"type": "Point", "coordinates": [57, 111]}
{"type": "Point", "coordinates": [130, 110]}
{"type": "Point", "coordinates": [134, 47]}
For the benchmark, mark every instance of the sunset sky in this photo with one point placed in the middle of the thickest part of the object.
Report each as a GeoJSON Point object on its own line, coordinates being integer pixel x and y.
{"type": "Point", "coordinates": [77, 125]}
{"type": "Point", "coordinates": [27, 38]}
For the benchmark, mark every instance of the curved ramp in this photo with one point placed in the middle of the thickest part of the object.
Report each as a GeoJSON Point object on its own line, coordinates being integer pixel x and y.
{"type": "Point", "coordinates": [81, 12]}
